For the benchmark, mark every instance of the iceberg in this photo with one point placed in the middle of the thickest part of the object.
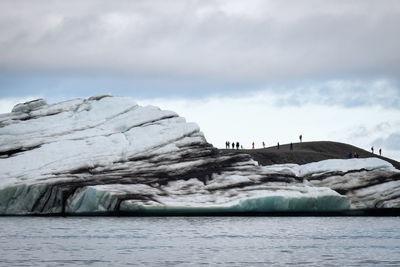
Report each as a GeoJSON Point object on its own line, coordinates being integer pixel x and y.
{"type": "Point", "coordinates": [108, 155]}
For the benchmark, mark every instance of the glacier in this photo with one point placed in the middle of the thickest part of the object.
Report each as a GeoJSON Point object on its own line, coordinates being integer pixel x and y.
{"type": "Point", "coordinates": [108, 155]}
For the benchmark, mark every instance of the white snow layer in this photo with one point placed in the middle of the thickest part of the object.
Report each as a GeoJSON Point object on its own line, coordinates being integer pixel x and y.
{"type": "Point", "coordinates": [342, 165]}
{"type": "Point", "coordinates": [86, 134]}
{"type": "Point", "coordinates": [42, 145]}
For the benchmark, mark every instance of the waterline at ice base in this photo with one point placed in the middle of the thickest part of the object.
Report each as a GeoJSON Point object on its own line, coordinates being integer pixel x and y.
{"type": "Point", "coordinates": [109, 156]}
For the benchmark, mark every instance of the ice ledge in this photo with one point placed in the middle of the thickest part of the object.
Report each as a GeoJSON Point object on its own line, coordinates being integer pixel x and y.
{"type": "Point", "coordinates": [29, 106]}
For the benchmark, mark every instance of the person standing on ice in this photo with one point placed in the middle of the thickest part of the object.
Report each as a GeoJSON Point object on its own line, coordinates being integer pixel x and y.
{"type": "Point", "coordinates": [301, 138]}
{"type": "Point", "coordinates": [380, 151]}
{"type": "Point", "coordinates": [237, 145]}
{"type": "Point", "coordinates": [277, 147]}
{"type": "Point", "coordinates": [252, 144]}
{"type": "Point", "coordinates": [372, 149]}
{"type": "Point", "coordinates": [233, 145]}
{"type": "Point", "coordinates": [263, 144]}
{"type": "Point", "coordinates": [291, 146]}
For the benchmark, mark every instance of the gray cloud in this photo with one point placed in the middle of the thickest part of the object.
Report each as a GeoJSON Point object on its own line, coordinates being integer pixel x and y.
{"type": "Point", "coordinates": [346, 93]}
{"type": "Point", "coordinates": [392, 142]}
{"type": "Point", "coordinates": [256, 40]}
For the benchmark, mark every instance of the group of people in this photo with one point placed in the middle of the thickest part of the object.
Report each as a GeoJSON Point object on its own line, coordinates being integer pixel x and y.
{"type": "Point", "coordinates": [228, 145]}
{"type": "Point", "coordinates": [236, 145]}
{"type": "Point", "coordinates": [380, 151]}
{"type": "Point", "coordinates": [355, 154]}
{"type": "Point", "coordinates": [351, 155]}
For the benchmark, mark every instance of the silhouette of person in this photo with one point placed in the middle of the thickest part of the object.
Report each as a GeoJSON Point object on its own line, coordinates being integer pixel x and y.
{"type": "Point", "coordinates": [233, 145]}
{"type": "Point", "coordinates": [301, 138]}
{"type": "Point", "coordinates": [226, 144]}
{"type": "Point", "coordinates": [372, 149]}
{"type": "Point", "coordinates": [291, 146]}
{"type": "Point", "coordinates": [380, 151]}
{"type": "Point", "coordinates": [277, 146]}
{"type": "Point", "coordinates": [252, 144]}
{"type": "Point", "coordinates": [237, 145]}
{"type": "Point", "coordinates": [263, 144]}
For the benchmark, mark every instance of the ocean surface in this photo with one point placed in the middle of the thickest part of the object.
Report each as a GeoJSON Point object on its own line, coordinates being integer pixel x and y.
{"type": "Point", "coordinates": [194, 241]}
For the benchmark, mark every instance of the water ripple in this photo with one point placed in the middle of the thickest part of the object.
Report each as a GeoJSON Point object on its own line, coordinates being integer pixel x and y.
{"type": "Point", "coordinates": [194, 241]}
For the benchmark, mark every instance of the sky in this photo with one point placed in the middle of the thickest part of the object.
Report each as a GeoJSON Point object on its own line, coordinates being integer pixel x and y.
{"type": "Point", "coordinates": [243, 70]}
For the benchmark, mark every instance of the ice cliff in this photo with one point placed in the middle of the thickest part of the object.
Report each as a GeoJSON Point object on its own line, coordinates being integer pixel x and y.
{"type": "Point", "coordinates": [108, 155]}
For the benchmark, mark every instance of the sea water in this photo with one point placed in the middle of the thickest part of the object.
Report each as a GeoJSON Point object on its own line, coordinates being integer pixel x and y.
{"type": "Point", "coordinates": [194, 241]}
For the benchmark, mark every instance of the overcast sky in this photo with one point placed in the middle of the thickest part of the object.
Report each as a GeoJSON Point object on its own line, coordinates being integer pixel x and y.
{"type": "Point", "coordinates": [243, 70]}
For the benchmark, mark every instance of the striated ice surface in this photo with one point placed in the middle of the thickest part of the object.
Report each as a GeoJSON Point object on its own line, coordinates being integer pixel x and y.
{"type": "Point", "coordinates": [108, 155]}
{"type": "Point", "coordinates": [192, 196]}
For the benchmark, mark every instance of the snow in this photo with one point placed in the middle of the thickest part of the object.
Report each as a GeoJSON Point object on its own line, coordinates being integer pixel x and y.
{"type": "Point", "coordinates": [92, 133]}
{"type": "Point", "coordinates": [374, 195]}
{"type": "Point", "coordinates": [342, 165]}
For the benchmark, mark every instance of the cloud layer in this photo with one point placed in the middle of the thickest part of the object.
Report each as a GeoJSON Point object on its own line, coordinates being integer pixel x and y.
{"type": "Point", "coordinates": [255, 40]}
